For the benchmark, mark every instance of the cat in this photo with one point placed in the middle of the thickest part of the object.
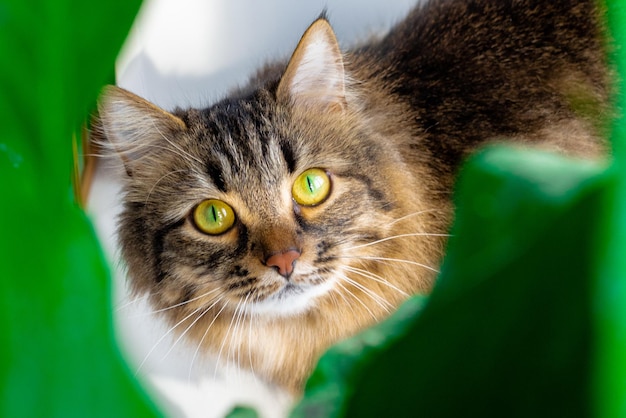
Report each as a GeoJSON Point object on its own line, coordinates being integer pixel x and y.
{"type": "Point", "coordinates": [310, 203]}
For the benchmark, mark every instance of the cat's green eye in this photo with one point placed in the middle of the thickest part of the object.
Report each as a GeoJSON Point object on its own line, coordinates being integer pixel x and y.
{"type": "Point", "coordinates": [213, 217]}
{"type": "Point", "coordinates": [311, 187]}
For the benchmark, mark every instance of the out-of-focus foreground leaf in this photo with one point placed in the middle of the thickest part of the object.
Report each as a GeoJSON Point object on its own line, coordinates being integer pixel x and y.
{"type": "Point", "coordinates": [57, 353]}
{"type": "Point", "coordinates": [610, 287]}
{"type": "Point", "coordinates": [242, 412]}
{"type": "Point", "coordinates": [528, 317]}
{"type": "Point", "coordinates": [507, 330]}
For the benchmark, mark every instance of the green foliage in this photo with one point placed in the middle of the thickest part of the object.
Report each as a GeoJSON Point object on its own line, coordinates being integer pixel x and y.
{"type": "Point", "coordinates": [528, 317]}
{"type": "Point", "coordinates": [241, 412]}
{"type": "Point", "coordinates": [507, 330]}
{"type": "Point", "coordinates": [610, 286]}
{"type": "Point", "coordinates": [57, 354]}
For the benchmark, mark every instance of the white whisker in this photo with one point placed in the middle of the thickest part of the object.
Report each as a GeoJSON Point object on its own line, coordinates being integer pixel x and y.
{"type": "Point", "coordinates": [379, 300]}
{"type": "Point", "coordinates": [416, 234]}
{"type": "Point", "coordinates": [131, 301]}
{"type": "Point", "coordinates": [206, 332]}
{"type": "Point", "coordinates": [410, 215]}
{"type": "Point", "coordinates": [163, 337]}
{"type": "Point", "coordinates": [182, 334]}
{"type": "Point", "coordinates": [230, 325]}
{"type": "Point", "coordinates": [181, 151]}
{"type": "Point", "coordinates": [397, 260]}
{"type": "Point", "coordinates": [251, 317]}
{"type": "Point", "coordinates": [376, 278]}
{"type": "Point", "coordinates": [348, 304]}
{"type": "Point", "coordinates": [137, 148]}
{"type": "Point", "coordinates": [193, 323]}
{"type": "Point", "coordinates": [332, 297]}
{"type": "Point", "coordinates": [177, 305]}
{"type": "Point", "coordinates": [159, 180]}
{"type": "Point", "coordinates": [358, 300]}
{"type": "Point", "coordinates": [237, 333]}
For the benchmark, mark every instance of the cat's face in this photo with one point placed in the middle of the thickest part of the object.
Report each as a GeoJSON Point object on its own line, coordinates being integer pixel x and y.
{"type": "Point", "coordinates": [253, 204]}
{"type": "Point", "coordinates": [290, 204]}
{"type": "Point", "coordinates": [261, 203]}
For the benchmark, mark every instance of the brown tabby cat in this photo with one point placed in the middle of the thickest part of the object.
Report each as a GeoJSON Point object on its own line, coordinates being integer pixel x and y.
{"type": "Point", "coordinates": [311, 203]}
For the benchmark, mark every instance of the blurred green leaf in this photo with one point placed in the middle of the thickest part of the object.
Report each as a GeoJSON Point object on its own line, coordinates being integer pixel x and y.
{"type": "Point", "coordinates": [610, 286]}
{"type": "Point", "coordinates": [57, 353]}
{"type": "Point", "coordinates": [344, 363]}
{"type": "Point", "coordinates": [242, 412]}
{"type": "Point", "coordinates": [528, 317]}
{"type": "Point", "coordinates": [507, 330]}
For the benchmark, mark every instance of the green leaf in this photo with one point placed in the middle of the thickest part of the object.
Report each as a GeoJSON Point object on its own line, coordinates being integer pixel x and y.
{"type": "Point", "coordinates": [242, 412]}
{"type": "Point", "coordinates": [528, 317]}
{"type": "Point", "coordinates": [58, 357]}
{"type": "Point", "coordinates": [507, 330]}
{"type": "Point", "coordinates": [610, 287]}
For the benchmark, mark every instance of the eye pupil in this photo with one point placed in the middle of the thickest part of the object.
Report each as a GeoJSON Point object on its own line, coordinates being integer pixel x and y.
{"type": "Point", "coordinates": [311, 187]}
{"type": "Point", "coordinates": [213, 217]}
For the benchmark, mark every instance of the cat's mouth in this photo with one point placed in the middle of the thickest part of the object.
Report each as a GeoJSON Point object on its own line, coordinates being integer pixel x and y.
{"type": "Point", "coordinates": [290, 289]}
{"type": "Point", "coordinates": [291, 299]}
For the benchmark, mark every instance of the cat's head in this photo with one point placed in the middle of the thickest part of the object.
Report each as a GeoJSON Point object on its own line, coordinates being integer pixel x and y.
{"type": "Point", "coordinates": [268, 201]}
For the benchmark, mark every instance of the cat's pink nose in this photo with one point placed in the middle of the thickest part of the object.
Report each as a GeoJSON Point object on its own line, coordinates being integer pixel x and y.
{"type": "Point", "coordinates": [283, 261]}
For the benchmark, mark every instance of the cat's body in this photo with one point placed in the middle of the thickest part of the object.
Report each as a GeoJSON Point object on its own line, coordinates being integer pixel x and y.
{"type": "Point", "coordinates": [283, 277]}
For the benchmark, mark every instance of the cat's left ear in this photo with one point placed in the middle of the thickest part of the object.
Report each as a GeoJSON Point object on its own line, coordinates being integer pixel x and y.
{"type": "Point", "coordinates": [134, 128]}
{"type": "Point", "coordinates": [315, 74]}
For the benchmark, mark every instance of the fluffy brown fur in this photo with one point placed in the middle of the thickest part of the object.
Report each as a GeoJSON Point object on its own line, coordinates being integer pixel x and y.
{"type": "Point", "coordinates": [390, 121]}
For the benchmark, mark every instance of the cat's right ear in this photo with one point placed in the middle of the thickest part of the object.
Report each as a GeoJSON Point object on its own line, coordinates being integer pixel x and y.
{"type": "Point", "coordinates": [134, 127]}
{"type": "Point", "coordinates": [315, 76]}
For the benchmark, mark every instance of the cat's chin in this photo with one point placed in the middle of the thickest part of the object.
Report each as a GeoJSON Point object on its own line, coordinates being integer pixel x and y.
{"type": "Point", "coordinates": [292, 299]}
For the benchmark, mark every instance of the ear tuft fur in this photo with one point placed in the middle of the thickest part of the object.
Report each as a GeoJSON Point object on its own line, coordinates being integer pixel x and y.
{"type": "Point", "coordinates": [315, 74]}
{"type": "Point", "coordinates": [133, 126]}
